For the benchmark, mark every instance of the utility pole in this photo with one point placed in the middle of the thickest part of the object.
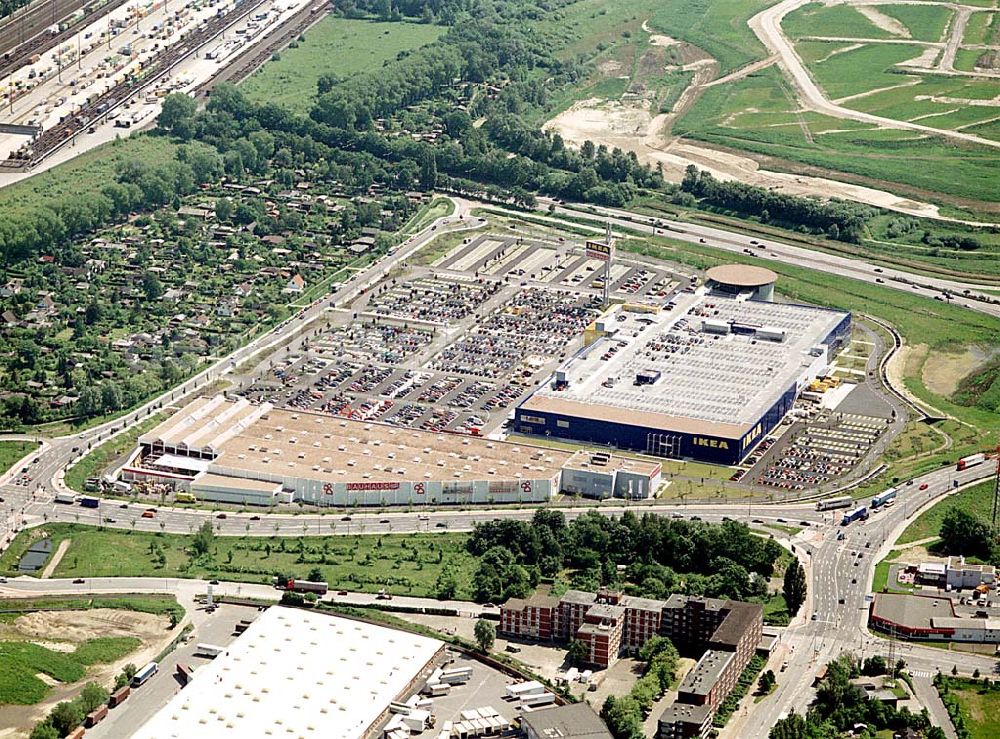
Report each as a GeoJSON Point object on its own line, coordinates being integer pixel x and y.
{"type": "Point", "coordinates": [996, 495]}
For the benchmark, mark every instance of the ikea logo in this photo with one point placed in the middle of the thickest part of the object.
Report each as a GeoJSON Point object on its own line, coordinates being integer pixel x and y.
{"type": "Point", "coordinates": [713, 443]}
{"type": "Point", "coordinates": [754, 433]}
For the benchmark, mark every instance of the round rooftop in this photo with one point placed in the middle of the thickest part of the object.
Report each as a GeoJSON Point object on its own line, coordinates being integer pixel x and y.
{"type": "Point", "coordinates": [741, 275]}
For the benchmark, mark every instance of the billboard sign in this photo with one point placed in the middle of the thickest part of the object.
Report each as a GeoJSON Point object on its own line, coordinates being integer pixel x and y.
{"type": "Point", "coordinates": [600, 250]}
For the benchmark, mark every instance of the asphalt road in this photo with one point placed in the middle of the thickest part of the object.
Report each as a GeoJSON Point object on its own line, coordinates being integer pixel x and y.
{"type": "Point", "coordinates": [771, 250]}
{"type": "Point", "coordinates": [840, 576]}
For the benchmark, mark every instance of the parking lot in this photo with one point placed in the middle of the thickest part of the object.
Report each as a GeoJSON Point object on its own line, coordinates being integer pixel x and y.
{"type": "Point", "coordinates": [813, 452]}
{"type": "Point", "coordinates": [456, 346]}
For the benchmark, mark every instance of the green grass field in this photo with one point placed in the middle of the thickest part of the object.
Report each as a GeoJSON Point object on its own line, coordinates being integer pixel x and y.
{"type": "Point", "coordinates": [757, 114]}
{"type": "Point", "coordinates": [924, 22]}
{"type": "Point", "coordinates": [977, 500]}
{"type": "Point", "coordinates": [96, 463]}
{"type": "Point", "coordinates": [21, 662]}
{"type": "Point", "coordinates": [87, 172]}
{"type": "Point", "coordinates": [405, 564]}
{"type": "Point", "coordinates": [12, 451]}
{"type": "Point", "coordinates": [815, 19]}
{"type": "Point", "coordinates": [980, 707]}
{"type": "Point", "coordinates": [337, 46]}
{"type": "Point", "coordinates": [856, 71]}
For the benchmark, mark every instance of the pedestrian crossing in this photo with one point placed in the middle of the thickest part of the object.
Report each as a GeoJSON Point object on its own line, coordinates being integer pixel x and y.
{"type": "Point", "coordinates": [921, 673]}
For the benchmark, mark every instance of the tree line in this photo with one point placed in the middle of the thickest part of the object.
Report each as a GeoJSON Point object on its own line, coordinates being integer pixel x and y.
{"type": "Point", "coordinates": [838, 219]}
{"type": "Point", "coordinates": [841, 705]}
{"type": "Point", "coordinates": [646, 555]}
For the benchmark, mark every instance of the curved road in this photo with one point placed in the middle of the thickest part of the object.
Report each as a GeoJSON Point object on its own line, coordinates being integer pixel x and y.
{"type": "Point", "coordinates": [767, 26]}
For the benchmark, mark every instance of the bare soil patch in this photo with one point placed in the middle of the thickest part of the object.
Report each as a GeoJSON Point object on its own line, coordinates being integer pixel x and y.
{"type": "Point", "coordinates": [942, 372]}
{"type": "Point", "coordinates": [886, 22]}
{"type": "Point", "coordinates": [74, 627]}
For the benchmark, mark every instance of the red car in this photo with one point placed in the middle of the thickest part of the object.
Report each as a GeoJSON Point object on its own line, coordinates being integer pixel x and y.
{"type": "Point", "coordinates": [924, 486]}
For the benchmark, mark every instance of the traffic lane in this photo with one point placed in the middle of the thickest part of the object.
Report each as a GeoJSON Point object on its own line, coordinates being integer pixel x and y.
{"type": "Point", "coordinates": [129, 517]}
{"type": "Point", "coordinates": [762, 244]}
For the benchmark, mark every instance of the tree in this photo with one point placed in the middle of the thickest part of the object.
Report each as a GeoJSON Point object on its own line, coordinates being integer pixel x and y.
{"type": "Point", "coordinates": [446, 585]}
{"type": "Point", "coordinates": [795, 587]}
{"type": "Point", "coordinates": [203, 539]}
{"type": "Point", "coordinates": [963, 533]}
{"type": "Point", "coordinates": [177, 110]}
{"type": "Point", "coordinates": [486, 634]}
{"type": "Point", "coordinates": [92, 696]}
{"type": "Point", "coordinates": [874, 666]}
{"type": "Point", "coordinates": [315, 575]}
{"type": "Point", "coordinates": [152, 286]}
{"type": "Point", "coordinates": [44, 730]}
{"type": "Point", "coordinates": [578, 653]}
{"type": "Point", "coordinates": [428, 172]}
{"type": "Point", "coordinates": [223, 209]}
{"type": "Point", "coordinates": [623, 717]}
{"type": "Point", "coordinates": [766, 683]}
{"type": "Point", "coordinates": [66, 716]}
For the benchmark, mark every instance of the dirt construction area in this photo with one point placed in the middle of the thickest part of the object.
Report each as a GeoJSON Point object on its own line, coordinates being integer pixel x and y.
{"type": "Point", "coordinates": [630, 124]}
{"type": "Point", "coordinates": [63, 631]}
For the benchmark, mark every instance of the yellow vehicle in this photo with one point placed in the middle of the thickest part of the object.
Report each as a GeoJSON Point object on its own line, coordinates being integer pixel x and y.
{"type": "Point", "coordinates": [185, 498]}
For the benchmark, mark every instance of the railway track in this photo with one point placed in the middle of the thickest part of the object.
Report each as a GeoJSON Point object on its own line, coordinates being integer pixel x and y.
{"type": "Point", "coordinates": [53, 139]}
{"type": "Point", "coordinates": [252, 59]}
{"type": "Point", "coordinates": [38, 40]}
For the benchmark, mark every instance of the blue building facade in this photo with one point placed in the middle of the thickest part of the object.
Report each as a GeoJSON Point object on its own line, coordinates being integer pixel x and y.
{"type": "Point", "coordinates": [660, 442]}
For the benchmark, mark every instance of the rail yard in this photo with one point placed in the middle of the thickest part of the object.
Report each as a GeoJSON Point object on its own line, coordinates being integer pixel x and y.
{"type": "Point", "coordinates": [101, 70]}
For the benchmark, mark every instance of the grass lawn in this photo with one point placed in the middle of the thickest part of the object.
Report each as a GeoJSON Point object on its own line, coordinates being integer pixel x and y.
{"type": "Point", "coordinates": [977, 500]}
{"type": "Point", "coordinates": [96, 462]}
{"type": "Point", "coordinates": [12, 451]}
{"type": "Point", "coordinates": [443, 244]}
{"type": "Point", "coordinates": [21, 662]}
{"type": "Point", "coordinates": [437, 208]}
{"type": "Point", "coordinates": [925, 22]}
{"type": "Point", "coordinates": [880, 581]}
{"type": "Point", "coordinates": [980, 707]}
{"type": "Point", "coordinates": [757, 114]}
{"type": "Point", "coordinates": [337, 46]}
{"type": "Point", "coordinates": [816, 19]}
{"type": "Point", "coordinates": [405, 564]}
{"type": "Point", "coordinates": [776, 610]}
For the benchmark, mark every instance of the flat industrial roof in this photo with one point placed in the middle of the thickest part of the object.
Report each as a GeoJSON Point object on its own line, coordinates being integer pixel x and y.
{"type": "Point", "coordinates": [205, 423]}
{"type": "Point", "coordinates": [719, 384]}
{"type": "Point", "coordinates": [573, 721]}
{"type": "Point", "coordinates": [308, 445]}
{"type": "Point", "coordinates": [300, 674]}
{"type": "Point", "coordinates": [585, 460]}
{"type": "Point", "coordinates": [911, 611]}
{"type": "Point", "coordinates": [741, 275]}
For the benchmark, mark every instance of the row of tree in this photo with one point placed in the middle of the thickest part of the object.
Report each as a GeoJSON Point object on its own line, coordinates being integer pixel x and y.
{"type": "Point", "coordinates": [624, 715]}
{"type": "Point", "coordinates": [839, 219]}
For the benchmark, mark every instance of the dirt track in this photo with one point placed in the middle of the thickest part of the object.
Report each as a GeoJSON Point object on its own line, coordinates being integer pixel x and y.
{"type": "Point", "coordinates": [767, 26]}
{"type": "Point", "coordinates": [630, 126]}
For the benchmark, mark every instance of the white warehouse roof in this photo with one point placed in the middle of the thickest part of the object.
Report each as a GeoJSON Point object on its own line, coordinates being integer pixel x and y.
{"type": "Point", "coordinates": [297, 674]}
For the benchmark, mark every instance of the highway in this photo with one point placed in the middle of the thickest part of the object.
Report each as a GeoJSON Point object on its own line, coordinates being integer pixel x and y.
{"type": "Point", "coordinates": [777, 251]}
